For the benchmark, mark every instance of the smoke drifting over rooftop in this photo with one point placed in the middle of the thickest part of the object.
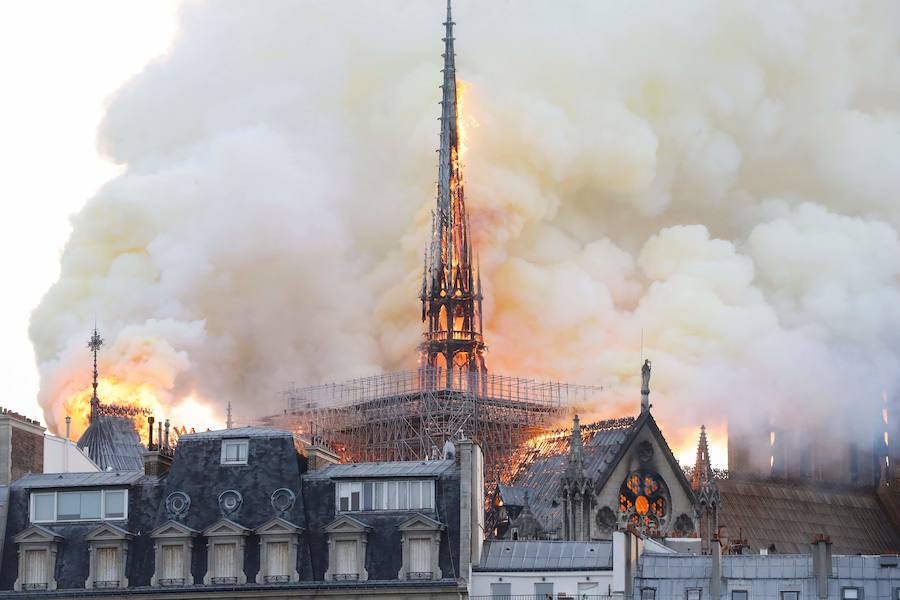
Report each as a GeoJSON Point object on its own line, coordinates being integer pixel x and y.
{"type": "Point", "coordinates": [720, 175]}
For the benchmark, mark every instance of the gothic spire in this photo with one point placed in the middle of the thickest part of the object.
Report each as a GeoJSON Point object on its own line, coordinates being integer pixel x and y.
{"type": "Point", "coordinates": [645, 387]}
{"type": "Point", "coordinates": [228, 423]}
{"type": "Point", "coordinates": [454, 348]}
{"type": "Point", "coordinates": [576, 450]}
{"type": "Point", "coordinates": [94, 344]}
{"type": "Point", "coordinates": [702, 468]}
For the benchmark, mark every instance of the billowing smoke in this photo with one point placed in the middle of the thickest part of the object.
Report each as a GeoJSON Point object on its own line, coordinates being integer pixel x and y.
{"type": "Point", "coordinates": [717, 178]}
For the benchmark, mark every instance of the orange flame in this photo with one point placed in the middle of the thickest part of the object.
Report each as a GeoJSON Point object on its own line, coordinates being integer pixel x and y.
{"type": "Point", "coordinates": [465, 121]}
{"type": "Point", "coordinates": [112, 391]}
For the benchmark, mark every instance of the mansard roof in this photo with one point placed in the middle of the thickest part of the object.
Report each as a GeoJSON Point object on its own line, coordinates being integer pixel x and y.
{"type": "Point", "coordinates": [543, 555]}
{"type": "Point", "coordinates": [400, 468]}
{"type": "Point", "coordinates": [75, 480]}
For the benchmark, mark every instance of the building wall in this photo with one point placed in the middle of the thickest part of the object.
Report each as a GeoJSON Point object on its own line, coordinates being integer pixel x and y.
{"type": "Point", "coordinates": [522, 584]}
{"type": "Point", "coordinates": [21, 447]}
{"type": "Point", "coordinates": [63, 456]}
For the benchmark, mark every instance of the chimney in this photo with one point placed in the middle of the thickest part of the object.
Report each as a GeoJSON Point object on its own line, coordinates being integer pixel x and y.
{"type": "Point", "coordinates": [715, 576]}
{"type": "Point", "coordinates": [822, 564]}
{"type": "Point", "coordinates": [471, 504]}
{"type": "Point", "coordinates": [157, 463]}
{"type": "Point", "coordinates": [623, 543]}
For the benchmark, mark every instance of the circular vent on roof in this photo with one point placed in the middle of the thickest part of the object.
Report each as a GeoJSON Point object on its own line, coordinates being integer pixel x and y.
{"type": "Point", "coordinates": [177, 504]}
{"type": "Point", "coordinates": [283, 500]}
{"type": "Point", "coordinates": [230, 501]}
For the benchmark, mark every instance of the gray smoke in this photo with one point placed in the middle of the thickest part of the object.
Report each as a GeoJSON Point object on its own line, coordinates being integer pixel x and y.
{"type": "Point", "coordinates": [719, 175]}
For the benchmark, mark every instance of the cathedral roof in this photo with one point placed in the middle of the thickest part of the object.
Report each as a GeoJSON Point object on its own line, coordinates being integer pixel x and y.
{"type": "Point", "coordinates": [113, 444]}
{"type": "Point", "coordinates": [790, 515]}
{"type": "Point", "coordinates": [547, 457]}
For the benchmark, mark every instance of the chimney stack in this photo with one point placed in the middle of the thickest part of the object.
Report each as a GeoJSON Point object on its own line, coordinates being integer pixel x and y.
{"type": "Point", "coordinates": [715, 576]}
{"type": "Point", "coordinates": [822, 564]}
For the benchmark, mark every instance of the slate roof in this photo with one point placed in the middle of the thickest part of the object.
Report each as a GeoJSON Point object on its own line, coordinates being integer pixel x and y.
{"type": "Point", "coordinates": [237, 432]}
{"type": "Point", "coordinates": [59, 480]}
{"type": "Point", "coordinates": [790, 515]}
{"type": "Point", "coordinates": [406, 468]}
{"type": "Point", "coordinates": [545, 460]}
{"type": "Point", "coordinates": [113, 443]}
{"type": "Point", "coordinates": [519, 555]}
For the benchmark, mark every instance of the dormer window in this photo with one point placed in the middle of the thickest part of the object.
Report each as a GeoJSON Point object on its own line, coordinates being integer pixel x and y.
{"type": "Point", "coordinates": [411, 495]}
{"type": "Point", "coordinates": [90, 505]}
{"type": "Point", "coordinates": [234, 452]}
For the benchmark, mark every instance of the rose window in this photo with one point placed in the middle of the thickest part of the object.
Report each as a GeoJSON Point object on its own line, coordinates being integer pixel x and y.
{"type": "Point", "coordinates": [642, 501]}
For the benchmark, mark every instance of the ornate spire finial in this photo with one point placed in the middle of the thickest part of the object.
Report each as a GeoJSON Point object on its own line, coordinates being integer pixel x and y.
{"type": "Point", "coordinates": [702, 469]}
{"type": "Point", "coordinates": [228, 416]}
{"type": "Point", "coordinates": [576, 448]}
{"type": "Point", "coordinates": [645, 386]}
{"type": "Point", "coordinates": [95, 344]}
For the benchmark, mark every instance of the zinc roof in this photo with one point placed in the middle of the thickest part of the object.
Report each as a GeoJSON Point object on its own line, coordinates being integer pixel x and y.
{"type": "Point", "coordinates": [113, 443]}
{"type": "Point", "coordinates": [407, 468]}
{"type": "Point", "coordinates": [532, 555]}
{"type": "Point", "coordinates": [237, 432]}
{"type": "Point", "coordinates": [59, 480]}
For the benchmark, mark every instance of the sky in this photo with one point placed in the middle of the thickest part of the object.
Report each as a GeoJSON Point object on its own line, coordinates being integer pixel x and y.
{"type": "Point", "coordinates": [59, 62]}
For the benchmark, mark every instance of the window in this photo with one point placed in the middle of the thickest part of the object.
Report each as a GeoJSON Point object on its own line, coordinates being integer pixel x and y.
{"type": "Point", "coordinates": [225, 563]}
{"type": "Point", "coordinates": [851, 594]}
{"type": "Point", "coordinates": [278, 540]}
{"type": "Point", "coordinates": [790, 595]}
{"type": "Point", "coordinates": [501, 591]}
{"type": "Point", "coordinates": [277, 562]}
{"type": "Point", "coordinates": [384, 495]}
{"type": "Point", "coordinates": [648, 593]}
{"type": "Point", "coordinates": [543, 591]}
{"type": "Point", "coordinates": [172, 564]}
{"type": "Point", "coordinates": [693, 594]}
{"type": "Point", "coordinates": [107, 568]}
{"type": "Point", "coordinates": [740, 595]}
{"type": "Point", "coordinates": [47, 507]}
{"type": "Point", "coordinates": [346, 559]}
{"type": "Point", "coordinates": [36, 570]}
{"type": "Point", "coordinates": [234, 452]}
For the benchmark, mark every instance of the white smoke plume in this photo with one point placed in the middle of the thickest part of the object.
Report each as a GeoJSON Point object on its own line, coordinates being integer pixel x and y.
{"type": "Point", "coordinates": [719, 175]}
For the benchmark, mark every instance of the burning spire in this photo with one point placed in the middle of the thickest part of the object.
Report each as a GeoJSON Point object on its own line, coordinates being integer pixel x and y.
{"type": "Point", "coordinates": [95, 344]}
{"type": "Point", "coordinates": [451, 288]}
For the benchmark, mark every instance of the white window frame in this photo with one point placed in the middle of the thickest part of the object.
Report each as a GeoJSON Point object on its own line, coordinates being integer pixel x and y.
{"type": "Point", "coordinates": [859, 593]}
{"type": "Point", "coordinates": [392, 495]}
{"type": "Point", "coordinates": [240, 443]}
{"type": "Point", "coordinates": [784, 594]}
{"type": "Point", "coordinates": [648, 593]}
{"type": "Point", "coordinates": [687, 593]}
{"type": "Point", "coordinates": [746, 594]}
{"type": "Point", "coordinates": [32, 500]}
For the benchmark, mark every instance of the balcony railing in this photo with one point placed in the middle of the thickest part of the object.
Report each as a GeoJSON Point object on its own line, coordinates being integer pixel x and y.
{"type": "Point", "coordinates": [346, 576]}
{"type": "Point", "coordinates": [277, 578]}
{"type": "Point", "coordinates": [106, 584]}
{"type": "Point", "coordinates": [171, 581]}
{"type": "Point", "coordinates": [419, 575]}
{"type": "Point", "coordinates": [34, 587]}
{"type": "Point", "coordinates": [224, 580]}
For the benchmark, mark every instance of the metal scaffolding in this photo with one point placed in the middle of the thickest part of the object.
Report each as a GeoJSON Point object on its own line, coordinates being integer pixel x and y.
{"type": "Point", "coordinates": [410, 415]}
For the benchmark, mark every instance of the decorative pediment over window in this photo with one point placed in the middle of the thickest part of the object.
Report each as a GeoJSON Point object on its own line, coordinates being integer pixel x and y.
{"type": "Point", "coordinates": [347, 523]}
{"type": "Point", "coordinates": [421, 544]}
{"type": "Point", "coordinates": [347, 541]}
{"type": "Point", "coordinates": [225, 553]}
{"type": "Point", "coordinates": [278, 540]}
{"type": "Point", "coordinates": [108, 555]}
{"type": "Point", "coordinates": [174, 543]}
{"type": "Point", "coordinates": [37, 559]}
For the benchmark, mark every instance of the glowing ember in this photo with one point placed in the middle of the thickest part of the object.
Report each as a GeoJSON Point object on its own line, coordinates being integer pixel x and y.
{"type": "Point", "coordinates": [465, 121]}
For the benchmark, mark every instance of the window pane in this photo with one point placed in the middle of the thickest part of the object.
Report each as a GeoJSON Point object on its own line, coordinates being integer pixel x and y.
{"type": "Point", "coordinates": [379, 496]}
{"type": "Point", "coordinates": [543, 591]}
{"type": "Point", "coordinates": [43, 507]}
{"type": "Point", "coordinates": [392, 495]}
{"type": "Point", "coordinates": [648, 594]}
{"type": "Point", "coordinates": [69, 506]}
{"type": "Point", "coordinates": [851, 594]}
{"type": "Point", "coordinates": [354, 501]}
{"type": "Point", "coordinates": [90, 505]}
{"type": "Point", "coordinates": [427, 494]}
{"type": "Point", "coordinates": [501, 591]}
{"type": "Point", "coordinates": [415, 494]}
{"type": "Point", "coordinates": [242, 451]}
{"type": "Point", "coordinates": [367, 496]}
{"type": "Point", "coordinates": [790, 595]}
{"type": "Point", "coordinates": [739, 595]}
{"type": "Point", "coordinates": [114, 504]}
{"type": "Point", "coordinates": [402, 493]}
{"type": "Point", "coordinates": [693, 594]}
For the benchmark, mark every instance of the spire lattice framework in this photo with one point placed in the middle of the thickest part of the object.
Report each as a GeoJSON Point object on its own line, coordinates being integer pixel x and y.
{"type": "Point", "coordinates": [454, 348]}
